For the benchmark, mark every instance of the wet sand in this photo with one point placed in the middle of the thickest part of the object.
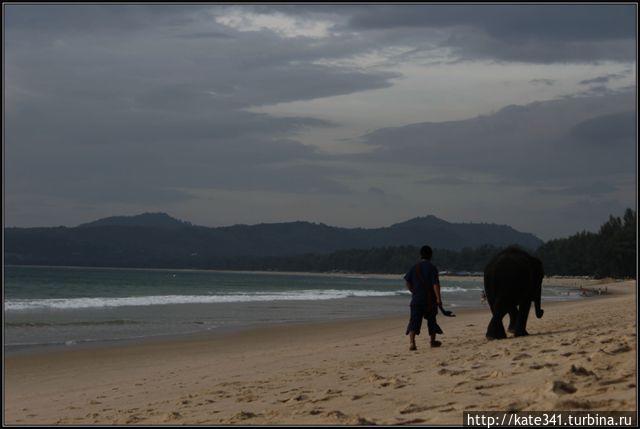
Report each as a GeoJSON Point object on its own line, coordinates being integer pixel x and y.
{"type": "Point", "coordinates": [580, 356]}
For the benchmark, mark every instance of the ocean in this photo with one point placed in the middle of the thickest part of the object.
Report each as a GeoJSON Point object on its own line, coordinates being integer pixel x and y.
{"type": "Point", "coordinates": [66, 306]}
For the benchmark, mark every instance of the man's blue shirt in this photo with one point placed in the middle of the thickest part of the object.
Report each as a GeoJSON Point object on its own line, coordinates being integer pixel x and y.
{"type": "Point", "coordinates": [422, 292]}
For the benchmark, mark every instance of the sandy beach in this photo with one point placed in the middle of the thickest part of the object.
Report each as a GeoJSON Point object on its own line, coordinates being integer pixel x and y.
{"type": "Point", "coordinates": [580, 356]}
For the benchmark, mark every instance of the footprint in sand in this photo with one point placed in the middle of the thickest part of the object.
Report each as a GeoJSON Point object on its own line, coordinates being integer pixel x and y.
{"type": "Point", "coordinates": [413, 408]}
{"type": "Point", "coordinates": [246, 398]}
{"type": "Point", "coordinates": [487, 386]}
{"type": "Point", "coordinates": [134, 419]}
{"type": "Point", "coordinates": [174, 415]}
{"type": "Point", "coordinates": [373, 377]}
{"type": "Point", "coordinates": [543, 365]}
{"type": "Point", "coordinates": [561, 387]}
{"type": "Point", "coordinates": [451, 372]}
{"type": "Point", "coordinates": [243, 415]}
{"type": "Point", "coordinates": [521, 356]}
{"type": "Point", "coordinates": [622, 348]}
{"type": "Point", "coordinates": [580, 370]}
{"type": "Point", "coordinates": [486, 375]}
{"type": "Point", "coordinates": [337, 414]}
{"type": "Point", "coordinates": [294, 399]}
{"type": "Point", "coordinates": [358, 420]}
{"type": "Point", "coordinates": [615, 380]}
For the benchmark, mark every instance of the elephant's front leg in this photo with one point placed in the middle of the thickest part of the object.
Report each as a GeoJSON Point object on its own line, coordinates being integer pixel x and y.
{"type": "Point", "coordinates": [513, 319]}
{"type": "Point", "coordinates": [495, 330]}
{"type": "Point", "coordinates": [521, 322]}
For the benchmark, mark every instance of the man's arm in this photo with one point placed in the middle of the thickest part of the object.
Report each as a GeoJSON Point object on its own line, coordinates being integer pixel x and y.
{"type": "Point", "coordinates": [436, 288]}
{"type": "Point", "coordinates": [408, 286]}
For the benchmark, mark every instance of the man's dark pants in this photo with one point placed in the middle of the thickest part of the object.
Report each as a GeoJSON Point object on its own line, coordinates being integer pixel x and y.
{"type": "Point", "coordinates": [418, 312]}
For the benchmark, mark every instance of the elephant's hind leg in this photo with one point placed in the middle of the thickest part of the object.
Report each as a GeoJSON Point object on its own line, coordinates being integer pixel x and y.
{"type": "Point", "coordinates": [495, 330]}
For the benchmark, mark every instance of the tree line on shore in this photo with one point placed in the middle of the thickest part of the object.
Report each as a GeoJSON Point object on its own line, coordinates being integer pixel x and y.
{"type": "Point", "coordinates": [610, 252]}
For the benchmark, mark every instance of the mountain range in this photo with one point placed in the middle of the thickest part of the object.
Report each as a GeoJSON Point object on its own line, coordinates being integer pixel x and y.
{"type": "Point", "coordinates": [159, 240]}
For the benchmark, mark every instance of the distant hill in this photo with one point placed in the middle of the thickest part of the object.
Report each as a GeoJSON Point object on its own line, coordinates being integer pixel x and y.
{"type": "Point", "coordinates": [158, 240]}
{"type": "Point", "coordinates": [162, 220]}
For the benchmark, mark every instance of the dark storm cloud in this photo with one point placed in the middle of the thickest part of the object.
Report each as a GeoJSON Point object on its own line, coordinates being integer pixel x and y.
{"type": "Point", "coordinates": [531, 33]}
{"type": "Point", "coordinates": [520, 22]}
{"type": "Point", "coordinates": [540, 143]}
{"type": "Point", "coordinates": [602, 79]}
{"type": "Point", "coordinates": [607, 130]}
{"type": "Point", "coordinates": [547, 82]}
{"type": "Point", "coordinates": [469, 44]}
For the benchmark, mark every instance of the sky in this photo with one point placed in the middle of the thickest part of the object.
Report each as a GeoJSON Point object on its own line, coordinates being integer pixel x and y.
{"type": "Point", "coordinates": [349, 115]}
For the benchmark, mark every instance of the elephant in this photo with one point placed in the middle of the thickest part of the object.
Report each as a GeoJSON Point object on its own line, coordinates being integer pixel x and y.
{"type": "Point", "coordinates": [512, 279]}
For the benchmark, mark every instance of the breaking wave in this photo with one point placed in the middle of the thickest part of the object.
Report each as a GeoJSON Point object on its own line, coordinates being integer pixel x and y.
{"type": "Point", "coordinates": [102, 302]}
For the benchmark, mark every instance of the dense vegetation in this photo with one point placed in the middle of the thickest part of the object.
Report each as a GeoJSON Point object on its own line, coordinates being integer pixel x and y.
{"type": "Point", "coordinates": [611, 252]}
{"type": "Point", "coordinates": [373, 260]}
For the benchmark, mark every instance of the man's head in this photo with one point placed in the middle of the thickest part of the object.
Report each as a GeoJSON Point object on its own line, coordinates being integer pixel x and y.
{"type": "Point", "coordinates": [426, 252]}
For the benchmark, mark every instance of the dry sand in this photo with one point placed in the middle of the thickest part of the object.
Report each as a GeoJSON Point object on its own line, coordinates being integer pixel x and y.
{"type": "Point", "coordinates": [580, 356]}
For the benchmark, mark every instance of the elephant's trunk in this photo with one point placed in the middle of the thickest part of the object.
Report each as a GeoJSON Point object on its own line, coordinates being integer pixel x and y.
{"type": "Point", "coordinates": [539, 310]}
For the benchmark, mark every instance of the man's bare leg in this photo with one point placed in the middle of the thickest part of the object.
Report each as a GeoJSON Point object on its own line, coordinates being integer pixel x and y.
{"type": "Point", "coordinates": [412, 339]}
{"type": "Point", "coordinates": [434, 342]}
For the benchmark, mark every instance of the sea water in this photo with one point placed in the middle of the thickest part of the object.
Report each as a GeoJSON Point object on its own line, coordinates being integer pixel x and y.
{"type": "Point", "coordinates": [45, 306]}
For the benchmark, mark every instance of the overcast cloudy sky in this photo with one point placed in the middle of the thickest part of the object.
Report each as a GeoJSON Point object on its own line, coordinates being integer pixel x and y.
{"type": "Point", "coordinates": [351, 115]}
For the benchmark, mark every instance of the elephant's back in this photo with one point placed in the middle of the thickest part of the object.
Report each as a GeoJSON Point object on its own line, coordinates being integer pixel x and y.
{"type": "Point", "coordinates": [508, 265]}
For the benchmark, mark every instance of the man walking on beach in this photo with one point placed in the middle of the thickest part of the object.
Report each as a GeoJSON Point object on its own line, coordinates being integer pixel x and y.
{"type": "Point", "coordinates": [423, 282]}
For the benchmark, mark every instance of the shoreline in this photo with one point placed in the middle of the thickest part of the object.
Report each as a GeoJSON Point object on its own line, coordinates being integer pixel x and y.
{"type": "Point", "coordinates": [340, 372]}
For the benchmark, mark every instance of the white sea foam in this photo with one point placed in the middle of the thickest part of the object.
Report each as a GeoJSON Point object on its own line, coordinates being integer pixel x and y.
{"type": "Point", "coordinates": [460, 289]}
{"type": "Point", "coordinates": [101, 302]}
